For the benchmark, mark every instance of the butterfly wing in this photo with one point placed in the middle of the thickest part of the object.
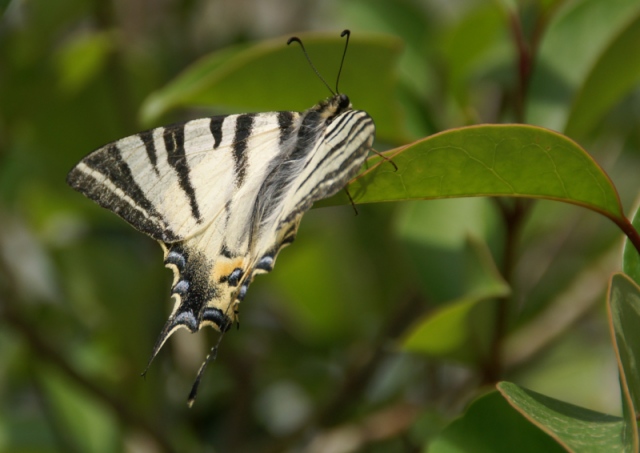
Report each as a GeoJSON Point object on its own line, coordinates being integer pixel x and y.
{"type": "Point", "coordinates": [337, 153]}
{"type": "Point", "coordinates": [171, 182]}
{"type": "Point", "coordinates": [192, 187]}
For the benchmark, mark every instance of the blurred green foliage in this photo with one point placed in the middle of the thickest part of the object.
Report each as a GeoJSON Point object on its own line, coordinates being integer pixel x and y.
{"type": "Point", "coordinates": [376, 332]}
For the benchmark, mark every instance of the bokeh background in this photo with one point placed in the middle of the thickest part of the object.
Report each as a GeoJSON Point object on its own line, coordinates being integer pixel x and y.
{"type": "Point", "coordinates": [322, 362]}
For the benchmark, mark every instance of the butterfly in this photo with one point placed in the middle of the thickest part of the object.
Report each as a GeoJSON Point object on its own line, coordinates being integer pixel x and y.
{"type": "Point", "coordinates": [223, 195]}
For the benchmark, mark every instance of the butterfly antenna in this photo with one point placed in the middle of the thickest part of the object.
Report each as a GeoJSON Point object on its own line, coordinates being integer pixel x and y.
{"type": "Point", "coordinates": [346, 33]}
{"type": "Point", "coordinates": [296, 39]}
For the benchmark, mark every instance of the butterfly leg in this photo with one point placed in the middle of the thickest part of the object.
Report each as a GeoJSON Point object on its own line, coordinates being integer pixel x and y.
{"type": "Point", "coordinates": [382, 156]}
{"type": "Point", "coordinates": [351, 200]}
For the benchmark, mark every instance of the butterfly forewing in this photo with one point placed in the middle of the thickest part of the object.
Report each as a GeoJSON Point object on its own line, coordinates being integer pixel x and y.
{"type": "Point", "coordinates": [171, 182]}
{"type": "Point", "coordinates": [334, 159]}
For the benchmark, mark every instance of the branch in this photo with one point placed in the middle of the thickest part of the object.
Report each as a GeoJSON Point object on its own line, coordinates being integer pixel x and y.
{"type": "Point", "coordinates": [629, 230]}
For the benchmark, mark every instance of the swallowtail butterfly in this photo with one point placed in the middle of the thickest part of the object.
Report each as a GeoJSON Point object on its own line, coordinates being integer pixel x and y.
{"type": "Point", "coordinates": [223, 195]}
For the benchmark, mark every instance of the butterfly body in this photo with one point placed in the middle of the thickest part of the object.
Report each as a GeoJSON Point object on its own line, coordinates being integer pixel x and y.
{"type": "Point", "coordinates": [223, 195]}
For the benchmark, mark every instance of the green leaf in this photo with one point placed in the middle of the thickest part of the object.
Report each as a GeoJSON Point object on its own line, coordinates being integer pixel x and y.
{"type": "Point", "coordinates": [448, 333]}
{"type": "Point", "coordinates": [488, 160]}
{"type": "Point", "coordinates": [615, 73]}
{"type": "Point", "coordinates": [490, 425]}
{"type": "Point", "coordinates": [471, 46]}
{"type": "Point", "coordinates": [570, 48]}
{"type": "Point", "coordinates": [624, 315]}
{"type": "Point", "coordinates": [578, 429]}
{"type": "Point", "coordinates": [272, 76]}
{"type": "Point", "coordinates": [631, 258]}
{"type": "Point", "coordinates": [462, 330]}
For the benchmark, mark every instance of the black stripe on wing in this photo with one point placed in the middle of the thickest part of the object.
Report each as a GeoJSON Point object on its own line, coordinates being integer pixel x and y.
{"type": "Point", "coordinates": [337, 127]}
{"type": "Point", "coordinates": [216, 130]}
{"type": "Point", "coordinates": [356, 127]}
{"type": "Point", "coordinates": [285, 122]}
{"type": "Point", "coordinates": [280, 177]}
{"type": "Point", "coordinates": [174, 143]}
{"type": "Point", "coordinates": [350, 151]}
{"type": "Point", "coordinates": [150, 146]}
{"type": "Point", "coordinates": [244, 127]}
{"type": "Point", "coordinates": [97, 175]}
{"type": "Point", "coordinates": [307, 134]}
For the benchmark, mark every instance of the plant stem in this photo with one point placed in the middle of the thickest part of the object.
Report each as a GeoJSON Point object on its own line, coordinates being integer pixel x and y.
{"type": "Point", "coordinates": [523, 53]}
{"type": "Point", "coordinates": [629, 230]}
{"type": "Point", "coordinates": [513, 217]}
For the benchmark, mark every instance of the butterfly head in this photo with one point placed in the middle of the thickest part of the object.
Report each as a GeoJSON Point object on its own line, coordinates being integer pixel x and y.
{"type": "Point", "coordinates": [343, 102]}
{"type": "Point", "coordinates": [334, 106]}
